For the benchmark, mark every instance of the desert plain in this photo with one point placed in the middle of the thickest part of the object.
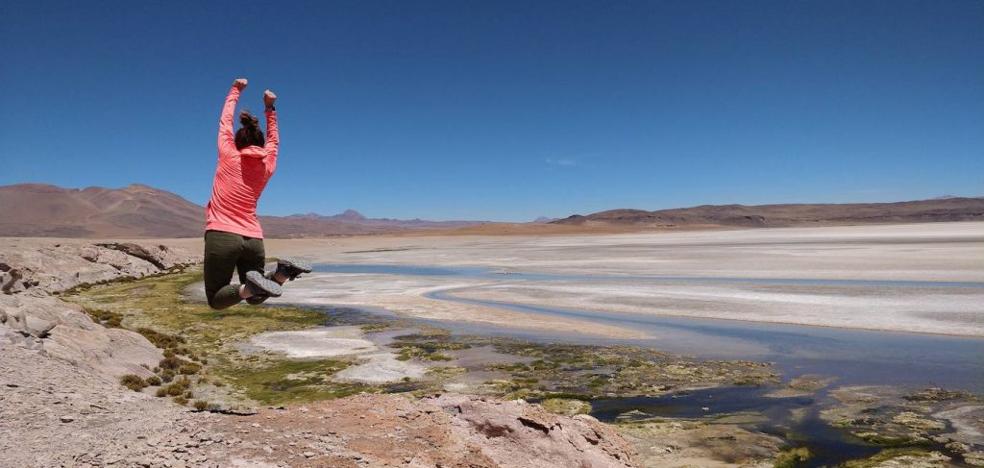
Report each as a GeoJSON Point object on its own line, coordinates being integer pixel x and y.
{"type": "Point", "coordinates": [925, 278]}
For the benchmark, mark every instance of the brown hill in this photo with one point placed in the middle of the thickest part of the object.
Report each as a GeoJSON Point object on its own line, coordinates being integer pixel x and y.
{"type": "Point", "coordinates": [133, 211]}
{"type": "Point", "coordinates": [921, 211]}
{"type": "Point", "coordinates": [39, 210]}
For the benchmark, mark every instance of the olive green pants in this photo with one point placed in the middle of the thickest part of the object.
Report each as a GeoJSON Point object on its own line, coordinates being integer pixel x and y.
{"type": "Point", "coordinates": [225, 252]}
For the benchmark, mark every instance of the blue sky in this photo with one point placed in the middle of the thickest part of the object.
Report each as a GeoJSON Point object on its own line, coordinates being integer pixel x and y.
{"type": "Point", "coordinates": [506, 110]}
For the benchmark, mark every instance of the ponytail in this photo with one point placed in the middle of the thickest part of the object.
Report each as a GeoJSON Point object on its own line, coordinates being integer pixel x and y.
{"type": "Point", "coordinates": [250, 133]}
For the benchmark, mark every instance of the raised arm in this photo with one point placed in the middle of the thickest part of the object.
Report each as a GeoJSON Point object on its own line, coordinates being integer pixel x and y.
{"type": "Point", "coordinates": [273, 133]}
{"type": "Point", "coordinates": [227, 141]}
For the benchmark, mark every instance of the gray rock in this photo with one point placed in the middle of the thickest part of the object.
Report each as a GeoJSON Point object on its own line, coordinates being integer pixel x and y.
{"type": "Point", "coordinates": [15, 316]}
{"type": "Point", "coordinates": [54, 267]}
{"type": "Point", "coordinates": [152, 255]}
{"type": "Point", "coordinates": [68, 333]}
{"type": "Point", "coordinates": [527, 435]}
{"type": "Point", "coordinates": [90, 253]}
{"type": "Point", "coordinates": [38, 327]}
{"type": "Point", "coordinates": [9, 282]}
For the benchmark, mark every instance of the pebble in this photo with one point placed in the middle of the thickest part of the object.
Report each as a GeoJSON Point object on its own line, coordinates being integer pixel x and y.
{"type": "Point", "coordinates": [67, 419]}
{"type": "Point", "coordinates": [308, 454]}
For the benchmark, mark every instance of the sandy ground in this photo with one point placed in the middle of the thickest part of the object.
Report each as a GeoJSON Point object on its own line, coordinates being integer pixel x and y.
{"type": "Point", "coordinates": [316, 342]}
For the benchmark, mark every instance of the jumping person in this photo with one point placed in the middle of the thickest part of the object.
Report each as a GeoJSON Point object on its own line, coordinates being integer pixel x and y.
{"type": "Point", "coordinates": [233, 236]}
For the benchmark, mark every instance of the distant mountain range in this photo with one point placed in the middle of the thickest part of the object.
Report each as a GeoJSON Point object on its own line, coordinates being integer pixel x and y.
{"type": "Point", "coordinates": [39, 210]}
{"type": "Point", "coordinates": [947, 208]}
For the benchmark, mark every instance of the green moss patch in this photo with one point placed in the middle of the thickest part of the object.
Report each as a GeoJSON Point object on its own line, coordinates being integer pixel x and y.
{"type": "Point", "coordinates": [791, 458]}
{"type": "Point", "coordinates": [901, 457]}
{"type": "Point", "coordinates": [196, 339]}
{"type": "Point", "coordinates": [428, 346]}
{"type": "Point", "coordinates": [293, 381]}
{"type": "Point", "coordinates": [566, 407]}
{"type": "Point", "coordinates": [589, 371]}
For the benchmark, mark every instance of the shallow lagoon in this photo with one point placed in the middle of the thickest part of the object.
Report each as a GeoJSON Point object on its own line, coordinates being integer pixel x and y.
{"type": "Point", "coordinates": [853, 356]}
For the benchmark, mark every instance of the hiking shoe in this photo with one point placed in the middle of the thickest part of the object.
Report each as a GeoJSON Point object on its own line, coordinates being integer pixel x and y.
{"type": "Point", "coordinates": [257, 299]}
{"type": "Point", "coordinates": [292, 267]}
{"type": "Point", "coordinates": [259, 285]}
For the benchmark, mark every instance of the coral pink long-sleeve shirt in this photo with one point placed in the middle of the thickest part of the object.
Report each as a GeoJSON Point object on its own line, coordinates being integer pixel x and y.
{"type": "Point", "coordinates": [240, 176]}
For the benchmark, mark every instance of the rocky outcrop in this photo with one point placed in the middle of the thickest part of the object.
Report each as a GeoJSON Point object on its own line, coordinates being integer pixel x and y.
{"type": "Point", "coordinates": [447, 430]}
{"type": "Point", "coordinates": [518, 434]}
{"type": "Point", "coordinates": [56, 413]}
{"type": "Point", "coordinates": [63, 331]}
{"type": "Point", "coordinates": [27, 265]}
{"type": "Point", "coordinates": [156, 256]}
{"type": "Point", "coordinates": [31, 318]}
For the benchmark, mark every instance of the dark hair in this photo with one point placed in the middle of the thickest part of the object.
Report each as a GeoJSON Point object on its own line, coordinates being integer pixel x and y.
{"type": "Point", "coordinates": [250, 133]}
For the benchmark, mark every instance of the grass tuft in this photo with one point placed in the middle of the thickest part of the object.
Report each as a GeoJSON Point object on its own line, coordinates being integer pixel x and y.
{"type": "Point", "coordinates": [104, 317]}
{"type": "Point", "coordinates": [133, 382]}
{"type": "Point", "coordinates": [791, 458]}
{"type": "Point", "coordinates": [161, 340]}
{"type": "Point", "coordinates": [177, 387]}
